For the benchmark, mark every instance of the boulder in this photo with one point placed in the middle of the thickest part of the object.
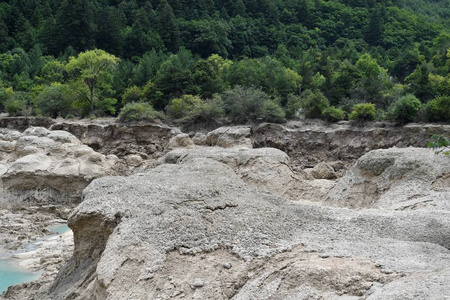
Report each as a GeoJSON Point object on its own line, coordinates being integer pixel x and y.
{"type": "Point", "coordinates": [181, 140]}
{"type": "Point", "coordinates": [134, 160]}
{"type": "Point", "coordinates": [398, 179]}
{"type": "Point", "coordinates": [323, 171]}
{"type": "Point", "coordinates": [227, 137]}
{"type": "Point", "coordinates": [199, 139]}
{"type": "Point", "coordinates": [168, 233]}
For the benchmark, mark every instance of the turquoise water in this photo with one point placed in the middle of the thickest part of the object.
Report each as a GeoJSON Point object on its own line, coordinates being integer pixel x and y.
{"type": "Point", "coordinates": [11, 274]}
{"type": "Point", "coordinates": [59, 229]}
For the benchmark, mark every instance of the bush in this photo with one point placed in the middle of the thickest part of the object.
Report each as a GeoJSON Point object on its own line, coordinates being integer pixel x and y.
{"type": "Point", "coordinates": [55, 100]}
{"type": "Point", "coordinates": [363, 112]}
{"type": "Point", "coordinates": [293, 106]}
{"type": "Point", "coordinates": [138, 112]}
{"type": "Point", "coordinates": [132, 94]}
{"type": "Point", "coordinates": [314, 104]}
{"type": "Point", "coordinates": [333, 114]}
{"type": "Point", "coordinates": [246, 104]}
{"type": "Point", "coordinates": [17, 104]}
{"type": "Point", "coordinates": [438, 109]}
{"type": "Point", "coordinates": [272, 112]}
{"type": "Point", "coordinates": [208, 110]}
{"type": "Point", "coordinates": [405, 109]}
{"type": "Point", "coordinates": [181, 107]}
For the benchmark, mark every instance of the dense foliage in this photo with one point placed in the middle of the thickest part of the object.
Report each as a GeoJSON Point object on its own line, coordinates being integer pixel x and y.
{"type": "Point", "coordinates": [315, 57]}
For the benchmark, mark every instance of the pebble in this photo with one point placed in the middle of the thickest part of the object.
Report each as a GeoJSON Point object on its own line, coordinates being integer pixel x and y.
{"type": "Point", "coordinates": [198, 283]}
{"type": "Point", "coordinates": [227, 265]}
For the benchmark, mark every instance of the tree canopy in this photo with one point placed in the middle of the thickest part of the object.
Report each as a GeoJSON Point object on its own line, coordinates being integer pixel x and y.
{"type": "Point", "coordinates": [109, 53]}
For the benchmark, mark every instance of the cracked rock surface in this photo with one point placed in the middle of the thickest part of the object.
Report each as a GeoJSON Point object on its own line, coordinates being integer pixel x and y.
{"type": "Point", "coordinates": [168, 233]}
{"type": "Point", "coordinates": [396, 179]}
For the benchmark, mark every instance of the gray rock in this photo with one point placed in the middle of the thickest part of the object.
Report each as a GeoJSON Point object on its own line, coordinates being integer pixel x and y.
{"type": "Point", "coordinates": [134, 160]}
{"type": "Point", "coordinates": [156, 222]}
{"type": "Point", "coordinates": [397, 179]}
{"type": "Point", "coordinates": [199, 139]}
{"type": "Point", "coordinates": [181, 140]}
{"type": "Point", "coordinates": [228, 137]}
{"type": "Point", "coordinates": [323, 171]}
{"type": "Point", "coordinates": [48, 167]}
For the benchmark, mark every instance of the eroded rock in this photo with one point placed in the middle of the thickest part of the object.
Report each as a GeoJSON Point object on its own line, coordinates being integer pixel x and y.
{"type": "Point", "coordinates": [227, 137]}
{"type": "Point", "coordinates": [157, 233]}
{"type": "Point", "coordinates": [398, 179]}
{"type": "Point", "coordinates": [41, 166]}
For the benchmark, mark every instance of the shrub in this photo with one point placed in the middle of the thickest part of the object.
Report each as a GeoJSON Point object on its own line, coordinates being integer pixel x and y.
{"type": "Point", "coordinates": [333, 114]}
{"type": "Point", "coordinates": [17, 104]}
{"type": "Point", "coordinates": [181, 107]}
{"type": "Point", "coordinates": [405, 109]}
{"type": "Point", "coordinates": [272, 112]}
{"type": "Point", "coordinates": [363, 112]}
{"type": "Point", "coordinates": [208, 110]}
{"type": "Point", "coordinates": [138, 112]}
{"type": "Point", "coordinates": [5, 95]}
{"type": "Point", "coordinates": [246, 104]}
{"type": "Point", "coordinates": [438, 109]}
{"type": "Point", "coordinates": [132, 94]}
{"type": "Point", "coordinates": [293, 106]}
{"type": "Point", "coordinates": [439, 141]}
{"type": "Point", "coordinates": [314, 104]}
{"type": "Point", "coordinates": [54, 100]}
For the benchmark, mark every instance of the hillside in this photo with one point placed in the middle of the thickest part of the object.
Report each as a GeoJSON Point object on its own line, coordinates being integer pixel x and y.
{"type": "Point", "coordinates": [339, 53]}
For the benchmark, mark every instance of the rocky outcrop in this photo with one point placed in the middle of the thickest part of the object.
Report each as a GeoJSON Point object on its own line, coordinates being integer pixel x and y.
{"type": "Point", "coordinates": [148, 140]}
{"type": "Point", "coordinates": [306, 142]}
{"type": "Point", "coordinates": [43, 167]}
{"type": "Point", "coordinates": [398, 179]}
{"type": "Point", "coordinates": [195, 230]}
{"type": "Point", "coordinates": [310, 142]}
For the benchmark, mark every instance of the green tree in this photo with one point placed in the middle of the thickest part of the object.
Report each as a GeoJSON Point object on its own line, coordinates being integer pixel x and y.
{"type": "Point", "coordinates": [167, 26]}
{"type": "Point", "coordinates": [405, 109]}
{"type": "Point", "coordinates": [74, 25]}
{"type": "Point", "coordinates": [91, 67]}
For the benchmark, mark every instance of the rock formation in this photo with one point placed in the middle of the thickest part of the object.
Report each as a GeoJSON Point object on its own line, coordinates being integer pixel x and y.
{"type": "Point", "coordinates": [195, 230]}
{"type": "Point", "coordinates": [233, 222]}
{"type": "Point", "coordinates": [43, 167]}
{"type": "Point", "coordinates": [396, 179]}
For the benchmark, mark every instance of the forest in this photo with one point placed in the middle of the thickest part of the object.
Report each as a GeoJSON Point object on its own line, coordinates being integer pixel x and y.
{"type": "Point", "coordinates": [252, 60]}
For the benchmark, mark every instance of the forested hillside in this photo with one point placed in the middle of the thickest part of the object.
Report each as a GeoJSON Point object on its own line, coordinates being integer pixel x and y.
{"type": "Point", "coordinates": [246, 59]}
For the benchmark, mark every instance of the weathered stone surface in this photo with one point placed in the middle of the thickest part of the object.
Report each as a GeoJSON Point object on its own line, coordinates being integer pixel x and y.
{"type": "Point", "coordinates": [40, 166]}
{"type": "Point", "coordinates": [110, 137]}
{"type": "Point", "coordinates": [181, 140]}
{"type": "Point", "coordinates": [161, 233]}
{"type": "Point", "coordinates": [134, 160]}
{"type": "Point", "coordinates": [323, 171]}
{"type": "Point", "coordinates": [199, 139]}
{"type": "Point", "coordinates": [310, 142]}
{"type": "Point", "coordinates": [227, 137]}
{"type": "Point", "coordinates": [398, 179]}
{"type": "Point", "coordinates": [265, 168]}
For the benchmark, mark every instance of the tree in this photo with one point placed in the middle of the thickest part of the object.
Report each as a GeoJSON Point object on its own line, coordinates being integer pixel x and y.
{"type": "Point", "coordinates": [90, 66]}
{"type": "Point", "coordinates": [75, 25]}
{"type": "Point", "coordinates": [167, 26]}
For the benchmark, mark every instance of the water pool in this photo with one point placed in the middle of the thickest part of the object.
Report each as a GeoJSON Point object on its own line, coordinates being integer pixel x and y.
{"type": "Point", "coordinates": [11, 273]}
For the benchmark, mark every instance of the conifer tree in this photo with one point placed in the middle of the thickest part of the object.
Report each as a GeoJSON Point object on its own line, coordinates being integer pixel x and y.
{"type": "Point", "coordinates": [167, 26]}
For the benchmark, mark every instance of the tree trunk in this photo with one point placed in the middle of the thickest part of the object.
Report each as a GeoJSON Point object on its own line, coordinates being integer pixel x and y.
{"type": "Point", "coordinates": [91, 98]}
